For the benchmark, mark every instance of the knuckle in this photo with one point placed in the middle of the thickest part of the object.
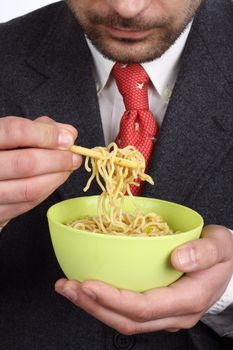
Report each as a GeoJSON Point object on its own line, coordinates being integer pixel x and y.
{"type": "Point", "coordinates": [23, 163]}
{"type": "Point", "coordinates": [29, 193]}
{"type": "Point", "coordinates": [45, 119]}
{"type": "Point", "coordinates": [14, 128]}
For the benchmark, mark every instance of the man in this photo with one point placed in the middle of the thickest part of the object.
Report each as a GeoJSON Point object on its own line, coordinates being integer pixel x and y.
{"type": "Point", "coordinates": [46, 69]}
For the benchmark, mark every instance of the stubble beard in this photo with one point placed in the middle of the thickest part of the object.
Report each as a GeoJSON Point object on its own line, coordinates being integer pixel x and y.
{"type": "Point", "coordinates": [132, 50]}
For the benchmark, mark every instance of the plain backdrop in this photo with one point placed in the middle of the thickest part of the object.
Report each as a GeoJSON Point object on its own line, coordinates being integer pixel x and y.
{"type": "Point", "coordinates": [13, 8]}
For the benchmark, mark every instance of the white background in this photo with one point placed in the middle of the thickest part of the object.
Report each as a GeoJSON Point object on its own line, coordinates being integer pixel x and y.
{"type": "Point", "coordinates": [13, 8]}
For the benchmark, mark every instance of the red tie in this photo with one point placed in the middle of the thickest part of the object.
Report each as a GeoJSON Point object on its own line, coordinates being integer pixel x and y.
{"type": "Point", "coordinates": [138, 126]}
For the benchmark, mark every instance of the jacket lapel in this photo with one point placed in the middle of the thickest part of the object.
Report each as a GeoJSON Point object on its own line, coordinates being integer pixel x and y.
{"type": "Point", "coordinates": [65, 89]}
{"type": "Point", "coordinates": [197, 130]}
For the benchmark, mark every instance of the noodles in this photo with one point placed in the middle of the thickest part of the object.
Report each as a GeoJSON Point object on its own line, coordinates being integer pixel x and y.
{"type": "Point", "coordinates": [115, 182]}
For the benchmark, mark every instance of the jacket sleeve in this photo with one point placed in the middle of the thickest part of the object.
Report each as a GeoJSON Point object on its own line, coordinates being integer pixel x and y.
{"type": "Point", "coordinates": [219, 317]}
{"type": "Point", "coordinates": [221, 323]}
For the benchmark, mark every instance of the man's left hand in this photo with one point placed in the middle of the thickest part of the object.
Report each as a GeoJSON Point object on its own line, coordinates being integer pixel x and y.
{"type": "Point", "coordinates": [208, 267]}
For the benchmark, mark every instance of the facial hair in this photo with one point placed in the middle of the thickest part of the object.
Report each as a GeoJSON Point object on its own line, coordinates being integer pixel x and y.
{"type": "Point", "coordinates": [152, 48]}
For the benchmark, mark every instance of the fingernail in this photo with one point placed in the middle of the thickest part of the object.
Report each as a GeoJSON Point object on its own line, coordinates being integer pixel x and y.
{"type": "Point", "coordinates": [76, 160]}
{"type": "Point", "coordinates": [70, 294]}
{"type": "Point", "coordinates": [65, 139]}
{"type": "Point", "coordinates": [89, 293]}
{"type": "Point", "coordinates": [187, 257]}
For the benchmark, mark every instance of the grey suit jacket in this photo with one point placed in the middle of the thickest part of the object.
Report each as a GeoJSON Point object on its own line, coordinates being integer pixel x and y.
{"type": "Point", "coordinates": [45, 69]}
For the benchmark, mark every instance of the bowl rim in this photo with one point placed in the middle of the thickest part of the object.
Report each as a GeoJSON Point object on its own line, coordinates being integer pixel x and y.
{"type": "Point", "coordinates": [124, 237]}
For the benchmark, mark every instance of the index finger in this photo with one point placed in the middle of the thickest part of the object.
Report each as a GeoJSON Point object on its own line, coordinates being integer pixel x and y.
{"type": "Point", "coordinates": [18, 132]}
{"type": "Point", "coordinates": [142, 307]}
{"type": "Point", "coordinates": [48, 120]}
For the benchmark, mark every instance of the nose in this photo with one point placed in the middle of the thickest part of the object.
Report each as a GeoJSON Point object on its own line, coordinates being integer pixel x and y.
{"type": "Point", "coordinates": [129, 8]}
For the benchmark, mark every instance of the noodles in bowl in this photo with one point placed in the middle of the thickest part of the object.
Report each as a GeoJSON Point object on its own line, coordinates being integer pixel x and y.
{"type": "Point", "coordinates": [113, 255]}
{"type": "Point", "coordinates": [115, 181]}
{"type": "Point", "coordinates": [134, 263]}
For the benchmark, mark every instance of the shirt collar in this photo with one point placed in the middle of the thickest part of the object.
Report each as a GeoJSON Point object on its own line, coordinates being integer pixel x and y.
{"type": "Point", "coordinates": [162, 71]}
{"type": "Point", "coordinates": [102, 67]}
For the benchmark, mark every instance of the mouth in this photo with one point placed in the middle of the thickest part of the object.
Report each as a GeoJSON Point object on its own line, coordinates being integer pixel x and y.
{"type": "Point", "coordinates": [127, 33]}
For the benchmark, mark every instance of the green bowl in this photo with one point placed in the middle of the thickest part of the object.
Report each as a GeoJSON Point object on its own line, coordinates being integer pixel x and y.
{"type": "Point", "coordinates": [134, 263]}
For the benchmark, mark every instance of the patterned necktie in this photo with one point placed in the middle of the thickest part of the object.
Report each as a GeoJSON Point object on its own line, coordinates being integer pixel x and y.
{"type": "Point", "coordinates": [138, 126]}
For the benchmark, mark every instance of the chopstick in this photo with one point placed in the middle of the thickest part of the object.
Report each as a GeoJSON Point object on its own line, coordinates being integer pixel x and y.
{"type": "Point", "coordinates": [95, 154]}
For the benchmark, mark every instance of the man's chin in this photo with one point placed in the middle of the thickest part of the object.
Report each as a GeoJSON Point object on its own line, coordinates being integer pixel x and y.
{"type": "Point", "coordinates": [127, 51]}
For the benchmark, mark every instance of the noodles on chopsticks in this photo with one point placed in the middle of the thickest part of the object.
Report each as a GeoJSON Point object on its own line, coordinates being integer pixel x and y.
{"type": "Point", "coordinates": [115, 181]}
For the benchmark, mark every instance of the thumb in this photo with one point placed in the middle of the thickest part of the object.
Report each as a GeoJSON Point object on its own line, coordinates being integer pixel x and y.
{"type": "Point", "coordinates": [214, 246]}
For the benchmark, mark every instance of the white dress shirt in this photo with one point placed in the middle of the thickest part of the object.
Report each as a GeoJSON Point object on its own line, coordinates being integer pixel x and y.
{"type": "Point", "coordinates": [163, 74]}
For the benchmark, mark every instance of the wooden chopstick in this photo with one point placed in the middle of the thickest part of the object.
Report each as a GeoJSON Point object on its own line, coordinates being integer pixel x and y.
{"type": "Point", "coordinates": [95, 154]}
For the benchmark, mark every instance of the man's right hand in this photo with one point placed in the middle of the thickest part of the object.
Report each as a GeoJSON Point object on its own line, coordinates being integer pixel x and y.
{"type": "Point", "coordinates": [34, 161]}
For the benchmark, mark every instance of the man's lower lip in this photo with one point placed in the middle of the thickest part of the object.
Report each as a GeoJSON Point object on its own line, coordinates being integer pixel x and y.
{"type": "Point", "coordinates": [127, 33]}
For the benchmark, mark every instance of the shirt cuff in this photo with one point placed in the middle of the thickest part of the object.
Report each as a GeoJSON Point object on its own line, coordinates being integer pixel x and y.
{"type": "Point", "coordinates": [221, 323]}
{"type": "Point", "coordinates": [219, 315]}
{"type": "Point", "coordinates": [225, 300]}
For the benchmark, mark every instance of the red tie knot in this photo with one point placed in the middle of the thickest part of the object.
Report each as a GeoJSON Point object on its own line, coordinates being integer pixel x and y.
{"type": "Point", "coordinates": [132, 81]}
